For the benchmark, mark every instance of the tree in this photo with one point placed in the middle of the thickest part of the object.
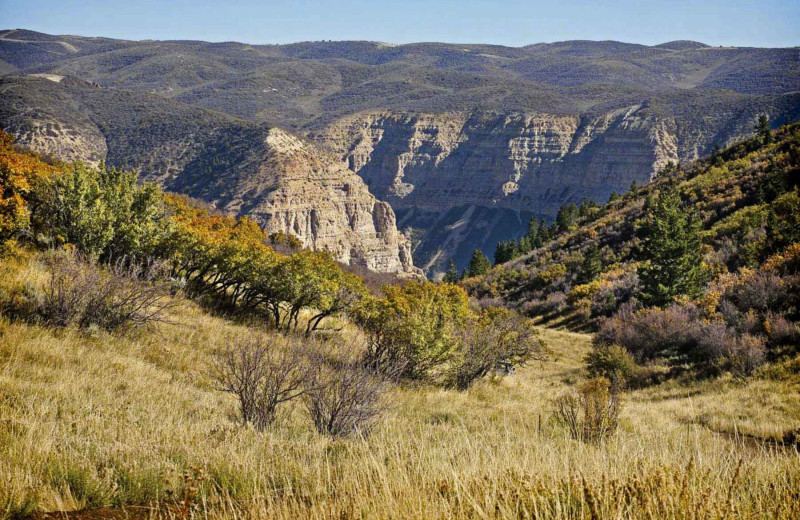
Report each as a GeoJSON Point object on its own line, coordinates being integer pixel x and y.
{"type": "Point", "coordinates": [763, 130]}
{"type": "Point", "coordinates": [591, 267]}
{"type": "Point", "coordinates": [671, 252]}
{"type": "Point", "coordinates": [566, 217]}
{"type": "Point", "coordinates": [451, 275]}
{"type": "Point", "coordinates": [634, 189]}
{"type": "Point", "coordinates": [412, 329]}
{"type": "Point", "coordinates": [479, 264]}
{"type": "Point", "coordinates": [614, 196]}
{"type": "Point", "coordinates": [18, 174]}
{"type": "Point", "coordinates": [506, 251]}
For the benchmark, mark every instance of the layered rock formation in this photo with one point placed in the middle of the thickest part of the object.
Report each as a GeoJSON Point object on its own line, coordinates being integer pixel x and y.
{"type": "Point", "coordinates": [514, 161]}
{"type": "Point", "coordinates": [467, 180]}
{"type": "Point", "coordinates": [298, 189]}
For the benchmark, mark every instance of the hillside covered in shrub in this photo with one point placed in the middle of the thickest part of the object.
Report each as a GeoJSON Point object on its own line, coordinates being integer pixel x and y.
{"type": "Point", "coordinates": [697, 268]}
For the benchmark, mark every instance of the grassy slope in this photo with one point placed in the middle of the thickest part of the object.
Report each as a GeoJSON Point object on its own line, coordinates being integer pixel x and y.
{"type": "Point", "coordinates": [100, 420]}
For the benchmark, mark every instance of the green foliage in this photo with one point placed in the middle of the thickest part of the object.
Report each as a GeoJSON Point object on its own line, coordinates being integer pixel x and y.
{"type": "Point", "coordinates": [506, 251]}
{"type": "Point", "coordinates": [763, 130]}
{"type": "Point", "coordinates": [611, 362]}
{"type": "Point", "coordinates": [783, 222]}
{"type": "Point", "coordinates": [591, 266]}
{"type": "Point", "coordinates": [451, 275]}
{"type": "Point", "coordinates": [413, 328]}
{"type": "Point", "coordinates": [479, 264]}
{"type": "Point", "coordinates": [103, 212]}
{"type": "Point", "coordinates": [671, 253]}
{"type": "Point", "coordinates": [566, 217]}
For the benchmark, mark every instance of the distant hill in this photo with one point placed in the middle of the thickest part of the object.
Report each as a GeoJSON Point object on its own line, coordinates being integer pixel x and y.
{"type": "Point", "coordinates": [297, 84]}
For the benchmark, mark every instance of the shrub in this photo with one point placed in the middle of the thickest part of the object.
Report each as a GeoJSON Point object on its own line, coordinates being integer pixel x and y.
{"type": "Point", "coordinates": [18, 172]}
{"type": "Point", "coordinates": [591, 413]}
{"type": "Point", "coordinates": [103, 212]}
{"type": "Point", "coordinates": [414, 327]}
{"type": "Point", "coordinates": [343, 398]}
{"type": "Point", "coordinates": [651, 333]}
{"type": "Point", "coordinates": [745, 355]}
{"type": "Point", "coordinates": [498, 337]}
{"type": "Point", "coordinates": [611, 362]}
{"type": "Point", "coordinates": [80, 293]}
{"type": "Point", "coordinates": [262, 376]}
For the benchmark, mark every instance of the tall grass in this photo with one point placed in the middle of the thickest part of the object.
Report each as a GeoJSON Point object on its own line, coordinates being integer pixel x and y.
{"type": "Point", "coordinates": [103, 420]}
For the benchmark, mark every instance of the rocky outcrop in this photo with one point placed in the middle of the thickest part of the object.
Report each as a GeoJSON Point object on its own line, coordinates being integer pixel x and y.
{"type": "Point", "coordinates": [515, 161]}
{"type": "Point", "coordinates": [300, 190]}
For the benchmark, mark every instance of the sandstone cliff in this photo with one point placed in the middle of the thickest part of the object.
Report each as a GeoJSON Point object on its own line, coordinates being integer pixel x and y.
{"type": "Point", "coordinates": [299, 190]}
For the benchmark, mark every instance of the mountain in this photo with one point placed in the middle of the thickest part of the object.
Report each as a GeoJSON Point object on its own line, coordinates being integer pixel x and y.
{"type": "Point", "coordinates": [282, 181]}
{"type": "Point", "coordinates": [464, 141]}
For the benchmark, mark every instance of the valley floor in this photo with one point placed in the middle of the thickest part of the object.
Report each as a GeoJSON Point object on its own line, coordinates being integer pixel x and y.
{"type": "Point", "coordinates": [100, 422]}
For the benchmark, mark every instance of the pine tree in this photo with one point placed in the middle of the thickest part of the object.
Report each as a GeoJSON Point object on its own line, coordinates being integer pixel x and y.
{"type": "Point", "coordinates": [614, 196]}
{"type": "Point", "coordinates": [567, 214]}
{"type": "Point", "coordinates": [479, 264]}
{"type": "Point", "coordinates": [451, 275]}
{"type": "Point", "coordinates": [506, 250]}
{"type": "Point", "coordinates": [763, 130]}
{"type": "Point", "coordinates": [671, 253]}
{"type": "Point", "coordinates": [591, 267]}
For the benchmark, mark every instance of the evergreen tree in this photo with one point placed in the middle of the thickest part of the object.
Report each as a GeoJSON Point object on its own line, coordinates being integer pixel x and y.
{"type": "Point", "coordinates": [591, 267]}
{"type": "Point", "coordinates": [763, 130]}
{"type": "Point", "coordinates": [671, 253]}
{"type": "Point", "coordinates": [583, 209]}
{"type": "Point", "coordinates": [533, 228]}
{"type": "Point", "coordinates": [451, 275]}
{"type": "Point", "coordinates": [505, 251]}
{"type": "Point", "coordinates": [545, 232]}
{"type": "Point", "coordinates": [614, 196]}
{"type": "Point", "coordinates": [479, 263]}
{"type": "Point", "coordinates": [634, 189]}
{"type": "Point", "coordinates": [525, 245]}
{"type": "Point", "coordinates": [567, 214]}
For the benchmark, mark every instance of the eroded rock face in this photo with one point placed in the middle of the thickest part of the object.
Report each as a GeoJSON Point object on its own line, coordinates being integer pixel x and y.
{"type": "Point", "coordinates": [436, 170]}
{"type": "Point", "coordinates": [515, 161]}
{"type": "Point", "coordinates": [299, 189]}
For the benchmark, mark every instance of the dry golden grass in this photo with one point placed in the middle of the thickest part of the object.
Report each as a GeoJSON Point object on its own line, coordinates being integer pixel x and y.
{"type": "Point", "coordinates": [97, 420]}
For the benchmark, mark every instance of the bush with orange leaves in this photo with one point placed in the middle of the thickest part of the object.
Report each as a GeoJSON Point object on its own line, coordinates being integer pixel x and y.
{"type": "Point", "coordinates": [18, 172]}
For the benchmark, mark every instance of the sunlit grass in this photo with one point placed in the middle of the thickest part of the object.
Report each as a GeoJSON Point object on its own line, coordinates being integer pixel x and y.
{"type": "Point", "coordinates": [97, 420]}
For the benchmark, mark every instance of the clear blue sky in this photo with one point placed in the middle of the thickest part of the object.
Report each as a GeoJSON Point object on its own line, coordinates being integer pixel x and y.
{"type": "Point", "coordinates": [763, 23]}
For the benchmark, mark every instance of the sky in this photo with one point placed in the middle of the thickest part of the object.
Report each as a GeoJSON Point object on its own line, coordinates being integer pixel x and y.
{"type": "Point", "coordinates": [756, 23]}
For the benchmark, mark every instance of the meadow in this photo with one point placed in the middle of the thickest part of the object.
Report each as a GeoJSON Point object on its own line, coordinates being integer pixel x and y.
{"type": "Point", "coordinates": [132, 426]}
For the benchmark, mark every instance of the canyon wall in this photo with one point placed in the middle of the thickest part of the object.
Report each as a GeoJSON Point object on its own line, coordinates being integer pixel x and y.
{"type": "Point", "coordinates": [462, 181]}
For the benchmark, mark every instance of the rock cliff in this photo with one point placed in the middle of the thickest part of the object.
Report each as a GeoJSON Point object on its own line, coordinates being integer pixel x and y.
{"type": "Point", "coordinates": [299, 190]}
{"type": "Point", "coordinates": [463, 180]}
